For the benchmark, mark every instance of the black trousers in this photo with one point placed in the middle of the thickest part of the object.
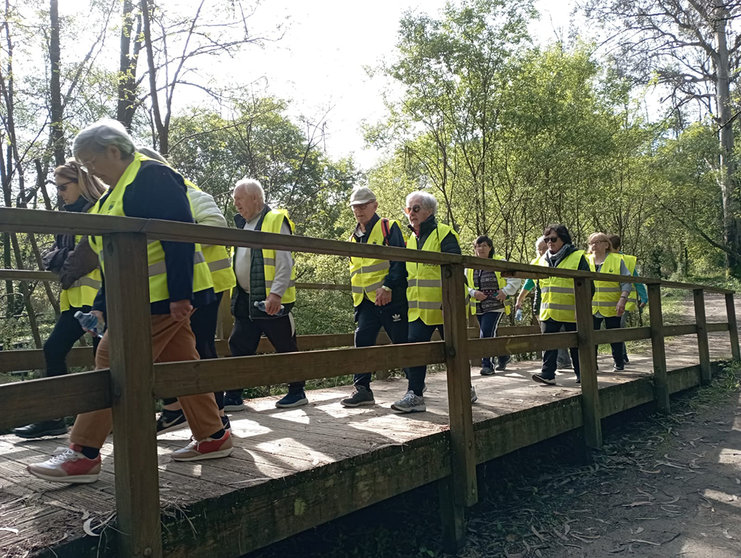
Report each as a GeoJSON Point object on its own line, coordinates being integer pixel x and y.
{"type": "Point", "coordinates": [550, 356]}
{"type": "Point", "coordinates": [618, 348]}
{"type": "Point", "coordinates": [245, 337]}
{"type": "Point", "coordinates": [370, 319]}
{"type": "Point", "coordinates": [65, 334]}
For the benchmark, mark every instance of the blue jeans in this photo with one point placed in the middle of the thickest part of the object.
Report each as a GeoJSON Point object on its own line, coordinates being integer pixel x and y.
{"type": "Point", "coordinates": [420, 332]}
{"type": "Point", "coordinates": [370, 318]}
{"type": "Point", "coordinates": [488, 323]}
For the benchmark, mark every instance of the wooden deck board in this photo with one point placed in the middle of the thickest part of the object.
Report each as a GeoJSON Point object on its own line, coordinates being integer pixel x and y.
{"type": "Point", "coordinates": [322, 443]}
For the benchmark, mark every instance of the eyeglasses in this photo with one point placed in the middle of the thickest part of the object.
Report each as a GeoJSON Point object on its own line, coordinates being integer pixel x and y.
{"type": "Point", "coordinates": [89, 165]}
{"type": "Point", "coordinates": [551, 239]}
{"type": "Point", "coordinates": [63, 187]}
{"type": "Point", "coordinates": [413, 209]}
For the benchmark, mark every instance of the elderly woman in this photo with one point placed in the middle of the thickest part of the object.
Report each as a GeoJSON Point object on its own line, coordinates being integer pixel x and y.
{"type": "Point", "coordinates": [557, 306]}
{"type": "Point", "coordinates": [141, 187]}
{"type": "Point", "coordinates": [77, 266]}
{"type": "Point", "coordinates": [610, 297]}
{"type": "Point", "coordinates": [488, 291]}
{"type": "Point", "coordinates": [424, 291]}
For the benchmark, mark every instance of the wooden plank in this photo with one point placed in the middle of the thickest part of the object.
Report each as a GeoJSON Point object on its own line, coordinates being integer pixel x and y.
{"type": "Point", "coordinates": [716, 327]}
{"type": "Point", "coordinates": [658, 350]}
{"type": "Point", "coordinates": [50, 398]}
{"type": "Point", "coordinates": [604, 336]}
{"type": "Point", "coordinates": [478, 348]}
{"type": "Point", "coordinates": [460, 490]}
{"type": "Point", "coordinates": [27, 275]}
{"type": "Point", "coordinates": [692, 286]}
{"type": "Point", "coordinates": [129, 326]}
{"type": "Point", "coordinates": [703, 346]}
{"type": "Point", "coordinates": [682, 329]}
{"type": "Point", "coordinates": [173, 379]}
{"type": "Point", "coordinates": [224, 324]}
{"type": "Point", "coordinates": [33, 359]}
{"type": "Point", "coordinates": [732, 326]}
{"type": "Point", "coordinates": [588, 364]}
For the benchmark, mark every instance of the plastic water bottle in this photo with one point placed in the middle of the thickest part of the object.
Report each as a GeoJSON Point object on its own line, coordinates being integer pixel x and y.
{"type": "Point", "coordinates": [88, 321]}
{"type": "Point", "coordinates": [518, 315]}
{"type": "Point", "coordinates": [260, 305]}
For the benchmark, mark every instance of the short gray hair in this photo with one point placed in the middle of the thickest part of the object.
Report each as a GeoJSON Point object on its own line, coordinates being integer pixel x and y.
{"type": "Point", "coordinates": [102, 134]}
{"type": "Point", "coordinates": [541, 240]}
{"type": "Point", "coordinates": [427, 200]}
{"type": "Point", "coordinates": [250, 185]}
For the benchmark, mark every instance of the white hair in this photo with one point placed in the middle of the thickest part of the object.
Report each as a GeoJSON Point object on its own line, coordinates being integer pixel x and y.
{"type": "Point", "coordinates": [427, 200]}
{"type": "Point", "coordinates": [250, 186]}
{"type": "Point", "coordinates": [103, 133]}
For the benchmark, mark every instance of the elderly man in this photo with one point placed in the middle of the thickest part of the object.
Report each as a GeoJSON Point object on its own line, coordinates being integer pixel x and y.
{"type": "Point", "coordinates": [378, 287]}
{"type": "Point", "coordinates": [179, 281]}
{"type": "Point", "coordinates": [265, 291]}
{"type": "Point", "coordinates": [425, 289]}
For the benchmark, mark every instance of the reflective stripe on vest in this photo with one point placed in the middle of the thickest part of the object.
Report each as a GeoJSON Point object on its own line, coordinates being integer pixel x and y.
{"type": "Point", "coordinates": [424, 290]}
{"type": "Point", "coordinates": [157, 269]}
{"type": "Point", "coordinates": [557, 293]}
{"type": "Point", "coordinates": [606, 293]}
{"type": "Point", "coordinates": [630, 262]}
{"type": "Point", "coordinates": [368, 274]}
{"type": "Point", "coordinates": [501, 281]}
{"type": "Point", "coordinates": [272, 223]}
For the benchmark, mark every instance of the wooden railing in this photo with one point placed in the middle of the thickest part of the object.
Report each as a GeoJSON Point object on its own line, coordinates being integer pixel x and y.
{"type": "Point", "coordinates": [131, 384]}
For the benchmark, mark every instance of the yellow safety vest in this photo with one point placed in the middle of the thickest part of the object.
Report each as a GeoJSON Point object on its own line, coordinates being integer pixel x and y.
{"type": "Point", "coordinates": [557, 301]}
{"type": "Point", "coordinates": [501, 281]}
{"type": "Point", "coordinates": [368, 274]}
{"type": "Point", "coordinates": [606, 293]}
{"type": "Point", "coordinates": [272, 223]}
{"type": "Point", "coordinates": [425, 289]}
{"type": "Point", "coordinates": [218, 259]}
{"type": "Point", "coordinates": [630, 262]}
{"type": "Point", "coordinates": [113, 205]}
{"type": "Point", "coordinates": [83, 291]}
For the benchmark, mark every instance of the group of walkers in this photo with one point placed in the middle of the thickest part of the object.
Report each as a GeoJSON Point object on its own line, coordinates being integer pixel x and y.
{"type": "Point", "coordinates": [109, 175]}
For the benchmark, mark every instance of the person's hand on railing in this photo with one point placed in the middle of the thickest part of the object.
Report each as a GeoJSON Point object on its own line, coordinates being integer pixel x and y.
{"type": "Point", "coordinates": [180, 310]}
{"type": "Point", "coordinates": [272, 304]}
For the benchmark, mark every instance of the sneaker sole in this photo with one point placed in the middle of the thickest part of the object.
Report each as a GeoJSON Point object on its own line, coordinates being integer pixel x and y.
{"type": "Point", "coordinates": [49, 433]}
{"type": "Point", "coordinates": [417, 409]}
{"type": "Point", "coordinates": [372, 402]}
{"type": "Point", "coordinates": [482, 373]}
{"type": "Point", "coordinates": [544, 381]}
{"type": "Point", "coordinates": [74, 479]}
{"type": "Point", "coordinates": [234, 408]}
{"type": "Point", "coordinates": [203, 456]}
{"type": "Point", "coordinates": [298, 403]}
{"type": "Point", "coordinates": [173, 427]}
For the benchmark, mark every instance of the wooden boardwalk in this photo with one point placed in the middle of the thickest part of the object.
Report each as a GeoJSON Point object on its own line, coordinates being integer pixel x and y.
{"type": "Point", "coordinates": [295, 468]}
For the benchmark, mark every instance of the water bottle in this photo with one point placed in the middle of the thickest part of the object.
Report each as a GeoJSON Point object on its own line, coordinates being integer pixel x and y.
{"type": "Point", "coordinates": [260, 305]}
{"type": "Point", "coordinates": [518, 315]}
{"type": "Point", "coordinates": [88, 321]}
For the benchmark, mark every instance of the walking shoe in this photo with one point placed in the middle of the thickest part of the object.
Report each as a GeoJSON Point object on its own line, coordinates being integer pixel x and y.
{"type": "Point", "coordinates": [487, 371]}
{"type": "Point", "coordinates": [503, 362]}
{"type": "Point", "coordinates": [361, 396]}
{"type": "Point", "coordinates": [70, 466]}
{"type": "Point", "coordinates": [616, 368]}
{"type": "Point", "coordinates": [625, 359]}
{"type": "Point", "coordinates": [543, 380]}
{"type": "Point", "coordinates": [474, 397]}
{"type": "Point", "coordinates": [209, 448]}
{"type": "Point", "coordinates": [226, 424]}
{"type": "Point", "coordinates": [578, 380]}
{"type": "Point", "coordinates": [410, 403]}
{"type": "Point", "coordinates": [233, 403]}
{"type": "Point", "coordinates": [55, 427]}
{"type": "Point", "coordinates": [170, 420]}
{"type": "Point", "coordinates": [292, 399]}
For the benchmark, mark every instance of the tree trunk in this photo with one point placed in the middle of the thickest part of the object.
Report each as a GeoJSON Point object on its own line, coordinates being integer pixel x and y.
{"type": "Point", "coordinates": [161, 132]}
{"type": "Point", "coordinates": [55, 91]}
{"type": "Point", "coordinates": [127, 101]}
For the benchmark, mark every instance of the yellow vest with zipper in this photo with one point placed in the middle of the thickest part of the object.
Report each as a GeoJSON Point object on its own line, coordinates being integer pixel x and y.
{"type": "Point", "coordinates": [606, 293]}
{"type": "Point", "coordinates": [632, 303]}
{"type": "Point", "coordinates": [425, 290]}
{"type": "Point", "coordinates": [113, 205]}
{"type": "Point", "coordinates": [501, 281]}
{"type": "Point", "coordinates": [272, 223]}
{"type": "Point", "coordinates": [367, 274]}
{"type": "Point", "coordinates": [83, 291]}
{"type": "Point", "coordinates": [557, 300]}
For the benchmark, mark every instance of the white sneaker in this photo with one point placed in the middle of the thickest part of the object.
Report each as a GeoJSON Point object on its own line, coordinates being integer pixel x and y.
{"type": "Point", "coordinates": [410, 403]}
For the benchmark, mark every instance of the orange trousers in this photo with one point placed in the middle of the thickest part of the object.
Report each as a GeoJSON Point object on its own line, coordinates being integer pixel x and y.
{"type": "Point", "coordinates": [171, 341]}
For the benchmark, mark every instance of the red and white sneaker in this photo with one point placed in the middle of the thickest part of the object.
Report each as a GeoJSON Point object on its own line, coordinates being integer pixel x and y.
{"type": "Point", "coordinates": [209, 448]}
{"type": "Point", "coordinates": [70, 466]}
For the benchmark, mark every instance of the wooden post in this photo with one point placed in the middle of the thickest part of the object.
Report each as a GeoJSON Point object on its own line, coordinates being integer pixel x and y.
{"type": "Point", "coordinates": [132, 373]}
{"type": "Point", "coordinates": [732, 326]}
{"type": "Point", "coordinates": [225, 321]}
{"type": "Point", "coordinates": [592, 416]}
{"type": "Point", "coordinates": [702, 336]}
{"type": "Point", "coordinates": [658, 350]}
{"type": "Point", "coordinates": [461, 487]}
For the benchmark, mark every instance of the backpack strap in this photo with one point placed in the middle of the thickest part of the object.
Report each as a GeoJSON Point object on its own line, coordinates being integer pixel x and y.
{"type": "Point", "coordinates": [386, 230]}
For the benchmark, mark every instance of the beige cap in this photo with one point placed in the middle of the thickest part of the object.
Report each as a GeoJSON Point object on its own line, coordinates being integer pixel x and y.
{"type": "Point", "coordinates": [362, 195]}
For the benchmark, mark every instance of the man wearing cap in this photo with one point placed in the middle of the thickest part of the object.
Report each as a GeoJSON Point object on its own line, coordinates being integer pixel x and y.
{"type": "Point", "coordinates": [378, 286]}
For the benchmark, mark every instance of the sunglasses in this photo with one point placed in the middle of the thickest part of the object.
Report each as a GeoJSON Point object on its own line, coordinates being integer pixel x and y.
{"type": "Point", "coordinates": [551, 239]}
{"type": "Point", "coordinates": [413, 209]}
{"type": "Point", "coordinates": [63, 187]}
